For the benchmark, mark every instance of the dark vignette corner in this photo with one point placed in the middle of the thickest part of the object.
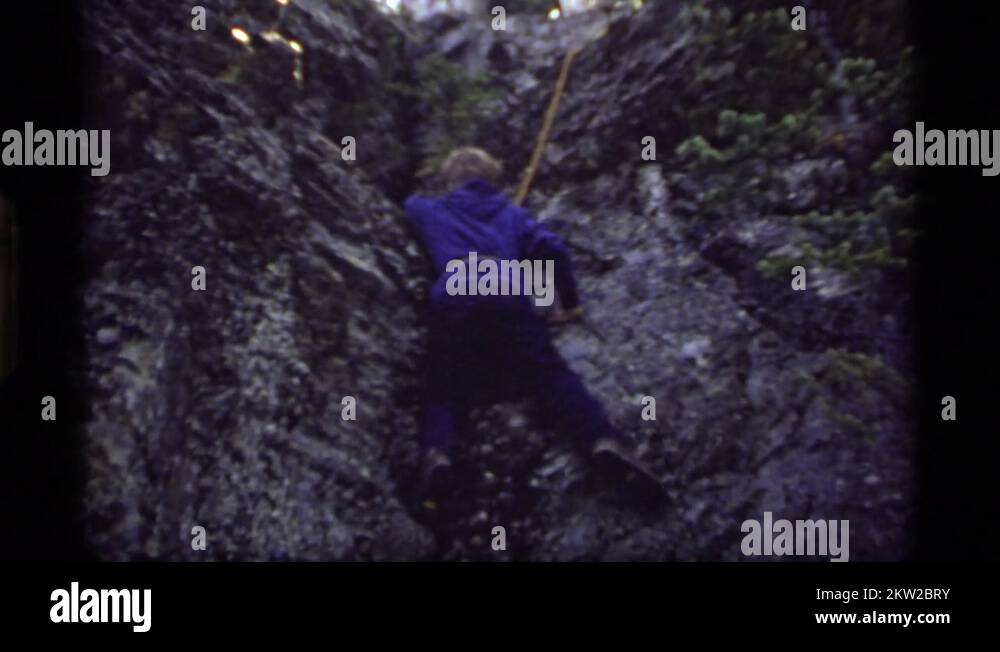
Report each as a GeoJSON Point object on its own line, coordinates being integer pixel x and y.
{"type": "Point", "coordinates": [44, 83]}
{"type": "Point", "coordinates": [955, 294]}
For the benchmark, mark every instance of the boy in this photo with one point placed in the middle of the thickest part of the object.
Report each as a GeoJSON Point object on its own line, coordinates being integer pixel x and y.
{"type": "Point", "coordinates": [477, 337]}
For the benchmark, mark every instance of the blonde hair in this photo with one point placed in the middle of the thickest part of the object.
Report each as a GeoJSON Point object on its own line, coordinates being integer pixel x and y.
{"type": "Point", "coordinates": [467, 163]}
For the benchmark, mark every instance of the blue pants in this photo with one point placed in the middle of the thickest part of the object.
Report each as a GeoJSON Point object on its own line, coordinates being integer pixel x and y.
{"type": "Point", "coordinates": [483, 349]}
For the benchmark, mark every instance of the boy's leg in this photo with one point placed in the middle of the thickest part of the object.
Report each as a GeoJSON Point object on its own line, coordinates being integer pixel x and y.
{"type": "Point", "coordinates": [445, 396]}
{"type": "Point", "coordinates": [559, 395]}
{"type": "Point", "coordinates": [565, 404]}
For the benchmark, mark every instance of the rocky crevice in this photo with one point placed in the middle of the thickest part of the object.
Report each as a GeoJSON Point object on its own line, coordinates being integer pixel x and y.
{"type": "Point", "coordinates": [222, 408]}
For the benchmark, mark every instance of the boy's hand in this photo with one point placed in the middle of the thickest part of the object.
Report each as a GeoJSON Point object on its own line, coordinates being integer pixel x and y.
{"type": "Point", "coordinates": [566, 316]}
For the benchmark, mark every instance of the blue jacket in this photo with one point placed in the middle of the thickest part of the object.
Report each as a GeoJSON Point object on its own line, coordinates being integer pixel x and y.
{"type": "Point", "coordinates": [479, 218]}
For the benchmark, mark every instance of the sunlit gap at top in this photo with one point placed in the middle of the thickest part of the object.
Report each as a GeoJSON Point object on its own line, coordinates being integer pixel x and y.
{"type": "Point", "coordinates": [424, 8]}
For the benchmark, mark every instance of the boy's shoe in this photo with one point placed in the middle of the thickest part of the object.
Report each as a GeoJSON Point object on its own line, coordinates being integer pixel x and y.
{"type": "Point", "coordinates": [613, 458]}
{"type": "Point", "coordinates": [432, 478]}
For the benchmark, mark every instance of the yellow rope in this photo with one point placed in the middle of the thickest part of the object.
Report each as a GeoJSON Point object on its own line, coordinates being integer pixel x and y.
{"type": "Point", "coordinates": [543, 135]}
{"type": "Point", "coordinates": [550, 116]}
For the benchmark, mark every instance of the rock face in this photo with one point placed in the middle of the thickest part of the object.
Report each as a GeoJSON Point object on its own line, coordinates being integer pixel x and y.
{"type": "Point", "coordinates": [222, 408]}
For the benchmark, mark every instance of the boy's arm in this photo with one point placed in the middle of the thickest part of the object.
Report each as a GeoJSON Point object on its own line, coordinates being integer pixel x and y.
{"type": "Point", "coordinates": [419, 212]}
{"type": "Point", "coordinates": [538, 243]}
{"type": "Point", "coordinates": [413, 209]}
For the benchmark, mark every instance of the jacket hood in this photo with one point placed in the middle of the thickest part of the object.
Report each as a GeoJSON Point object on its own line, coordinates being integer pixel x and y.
{"type": "Point", "coordinates": [476, 199]}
